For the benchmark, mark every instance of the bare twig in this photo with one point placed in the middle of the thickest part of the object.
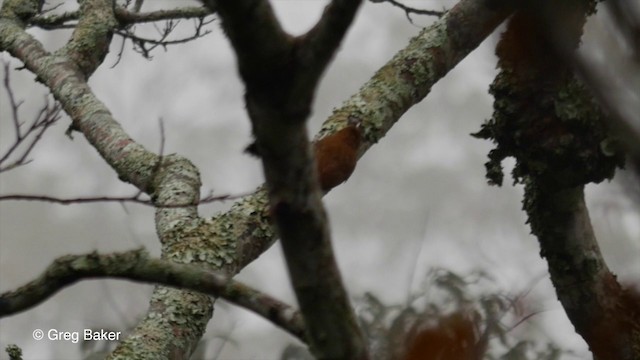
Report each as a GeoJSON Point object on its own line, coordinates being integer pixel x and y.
{"type": "Point", "coordinates": [128, 18]}
{"type": "Point", "coordinates": [132, 17]}
{"type": "Point", "coordinates": [410, 10]}
{"type": "Point", "coordinates": [136, 199]}
{"type": "Point", "coordinates": [137, 6]}
{"type": "Point", "coordinates": [124, 16]}
{"type": "Point", "coordinates": [29, 137]}
{"type": "Point", "coordinates": [144, 46]}
{"type": "Point", "coordinates": [137, 266]}
{"type": "Point", "coordinates": [178, 183]}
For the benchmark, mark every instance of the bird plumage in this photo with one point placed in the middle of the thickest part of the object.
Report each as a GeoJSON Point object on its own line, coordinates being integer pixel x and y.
{"type": "Point", "coordinates": [337, 155]}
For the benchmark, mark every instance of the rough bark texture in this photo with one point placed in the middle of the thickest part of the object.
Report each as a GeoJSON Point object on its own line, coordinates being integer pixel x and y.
{"type": "Point", "coordinates": [176, 319]}
{"type": "Point", "coordinates": [547, 120]}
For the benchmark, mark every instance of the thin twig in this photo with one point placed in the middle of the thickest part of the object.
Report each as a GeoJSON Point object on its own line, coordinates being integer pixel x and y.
{"type": "Point", "coordinates": [124, 16]}
{"type": "Point", "coordinates": [409, 10]}
{"type": "Point", "coordinates": [141, 44]}
{"type": "Point", "coordinates": [136, 199]}
{"type": "Point", "coordinates": [46, 117]}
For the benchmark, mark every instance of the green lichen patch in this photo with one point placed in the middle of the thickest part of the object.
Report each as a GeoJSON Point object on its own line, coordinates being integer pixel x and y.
{"type": "Point", "coordinates": [543, 116]}
{"type": "Point", "coordinates": [557, 133]}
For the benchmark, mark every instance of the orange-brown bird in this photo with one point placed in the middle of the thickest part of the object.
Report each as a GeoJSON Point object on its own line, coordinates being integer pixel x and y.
{"type": "Point", "coordinates": [337, 155]}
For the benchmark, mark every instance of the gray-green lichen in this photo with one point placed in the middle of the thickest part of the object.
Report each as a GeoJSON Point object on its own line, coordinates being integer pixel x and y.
{"type": "Point", "coordinates": [547, 120]}
{"type": "Point", "coordinates": [175, 320]}
{"type": "Point", "coordinates": [560, 138]}
{"type": "Point", "coordinates": [405, 80]}
{"type": "Point", "coordinates": [14, 352]}
{"type": "Point", "coordinates": [210, 243]}
{"type": "Point", "coordinates": [543, 116]}
{"type": "Point", "coordinates": [20, 9]}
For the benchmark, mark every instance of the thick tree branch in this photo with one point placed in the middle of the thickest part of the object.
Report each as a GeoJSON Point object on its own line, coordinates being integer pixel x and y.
{"type": "Point", "coordinates": [547, 120]}
{"type": "Point", "coordinates": [20, 11]}
{"type": "Point", "coordinates": [598, 307]}
{"type": "Point", "coordinates": [404, 81]}
{"type": "Point", "coordinates": [137, 266]}
{"type": "Point", "coordinates": [256, 35]}
{"type": "Point", "coordinates": [317, 47]}
{"type": "Point", "coordinates": [623, 119]}
{"type": "Point", "coordinates": [602, 311]}
{"type": "Point", "coordinates": [89, 43]}
{"type": "Point", "coordinates": [622, 113]}
{"type": "Point", "coordinates": [381, 102]}
{"type": "Point", "coordinates": [279, 102]}
{"type": "Point", "coordinates": [408, 77]}
{"type": "Point", "coordinates": [131, 161]}
{"type": "Point", "coordinates": [166, 330]}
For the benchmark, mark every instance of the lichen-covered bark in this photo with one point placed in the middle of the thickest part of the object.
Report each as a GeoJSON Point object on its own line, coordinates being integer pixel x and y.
{"type": "Point", "coordinates": [229, 241]}
{"type": "Point", "coordinates": [598, 307]}
{"type": "Point", "coordinates": [408, 77]}
{"type": "Point", "coordinates": [176, 320]}
{"type": "Point", "coordinates": [546, 119]}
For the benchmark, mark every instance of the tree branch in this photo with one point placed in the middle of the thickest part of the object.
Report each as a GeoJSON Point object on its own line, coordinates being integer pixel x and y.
{"type": "Point", "coordinates": [131, 161]}
{"type": "Point", "coordinates": [403, 82]}
{"type": "Point", "coordinates": [280, 83]}
{"type": "Point", "coordinates": [595, 302]}
{"type": "Point", "coordinates": [170, 179]}
{"type": "Point", "coordinates": [410, 10]}
{"type": "Point", "coordinates": [136, 199]}
{"type": "Point", "coordinates": [381, 102]}
{"type": "Point", "coordinates": [605, 314]}
{"type": "Point", "coordinates": [317, 47]}
{"type": "Point", "coordinates": [244, 232]}
{"type": "Point", "coordinates": [547, 120]}
{"type": "Point", "coordinates": [622, 116]}
{"type": "Point", "coordinates": [137, 266]}
{"type": "Point", "coordinates": [46, 117]}
{"type": "Point", "coordinates": [407, 78]}
{"type": "Point", "coordinates": [256, 35]}
{"type": "Point", "coordinates": [89, 43]}
{"type": "Point", "coordinates": [125, 17]}
{"type": "Point", "coordinates": [141, 45]}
